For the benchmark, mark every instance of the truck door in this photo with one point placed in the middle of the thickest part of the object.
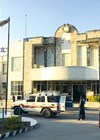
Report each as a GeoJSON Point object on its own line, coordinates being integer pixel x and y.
{"type": "Point", "coordinates": [30, 105]}
{"type": "Point", "coordinates": [62, 101]}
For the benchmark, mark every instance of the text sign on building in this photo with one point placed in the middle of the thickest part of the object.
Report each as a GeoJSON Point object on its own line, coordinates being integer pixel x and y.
{"type": "Point", "coordinates": [3, 49]}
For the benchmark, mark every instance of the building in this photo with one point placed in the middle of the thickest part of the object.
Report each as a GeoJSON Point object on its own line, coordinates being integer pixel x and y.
{"type": "Point", "coordinates": [15, 71]}
{"type": "Point", "coordinates": [3, 72]}
{"type": "Point", "coordinates": [67, 61]}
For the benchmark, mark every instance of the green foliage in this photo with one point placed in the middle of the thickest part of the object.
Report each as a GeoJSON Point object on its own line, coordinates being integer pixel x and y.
{"type": "Point", "coordinates": [12, 123]}
{"type": "Point", "coordinates": [95, 98]}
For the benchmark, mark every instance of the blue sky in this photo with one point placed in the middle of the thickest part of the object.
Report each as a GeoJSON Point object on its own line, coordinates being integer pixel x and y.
{"type": "Point", "coordinates": [45, 16]}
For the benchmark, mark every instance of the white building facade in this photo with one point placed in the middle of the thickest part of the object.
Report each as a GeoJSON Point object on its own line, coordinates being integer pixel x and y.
{"type": "Point", "coordinates": [67, 61]}
{"type": "Point", "coordinates": [15, 71]}
{"type": "Point", "coordinates": [3, 72]}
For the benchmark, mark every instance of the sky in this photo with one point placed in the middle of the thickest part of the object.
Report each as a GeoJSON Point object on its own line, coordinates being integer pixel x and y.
{"type": "Point", "coordinates": [32, 18]}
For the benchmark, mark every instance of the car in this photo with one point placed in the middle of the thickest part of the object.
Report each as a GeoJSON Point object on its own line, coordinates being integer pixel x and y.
{"type": "Point", "coordinates": [49, 103]}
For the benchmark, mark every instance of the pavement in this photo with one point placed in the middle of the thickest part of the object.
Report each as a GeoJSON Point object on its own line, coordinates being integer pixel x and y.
{"type": "Point", "coordinates": [33, 124]}
{"type": "Point", "coordinates": [92, 117]}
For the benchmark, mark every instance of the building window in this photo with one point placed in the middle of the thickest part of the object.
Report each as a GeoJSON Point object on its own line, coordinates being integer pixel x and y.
{"type": "Point", "coordinates": [16, 87]}
{"type": "Point", "coordinates": [41, 99]}
{"type": "Point", "coordinates": [45, 57]}
{"type": "Point", "coordinates": [16, 63]}
{"type": "Point", "coordinates": [4, 68]}
{"type": "Point", "coordinates": [79, 56]}
{"type": "Point", "coordinates": [3, 90]}
{"type": "Point", "coordinates": [3, 85]}
{"type": "Point", "coordinates": [66, 59]}
{"type": "Point", "coordinates": [90, 56]}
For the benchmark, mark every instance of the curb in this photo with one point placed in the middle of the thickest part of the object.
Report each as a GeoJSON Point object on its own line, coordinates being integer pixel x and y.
{"type": "Point", "coordinates": [15, 132]}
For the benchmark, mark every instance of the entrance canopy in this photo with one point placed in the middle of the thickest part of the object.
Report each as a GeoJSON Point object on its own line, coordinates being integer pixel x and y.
{"type": "Point", "coordinates": [64, 73]}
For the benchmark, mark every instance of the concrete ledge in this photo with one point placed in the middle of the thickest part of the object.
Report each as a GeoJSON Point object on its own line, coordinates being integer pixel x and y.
{"type": "Point", "coordinates": [33, 125]}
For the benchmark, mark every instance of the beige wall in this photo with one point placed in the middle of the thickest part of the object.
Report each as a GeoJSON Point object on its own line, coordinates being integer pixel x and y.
{"type": "Point", "coordinates": [27, 66]}
{"type": "Point", "coordinates": [75, 38]}
{"type": "Point", "coordinates": [28, 62]}
{"type": "Point", "coordinates": [15, 50]}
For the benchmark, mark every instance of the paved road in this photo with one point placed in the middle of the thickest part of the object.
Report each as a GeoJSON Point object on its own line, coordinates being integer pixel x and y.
{"type": "Point", "coordinates": [64, 127]}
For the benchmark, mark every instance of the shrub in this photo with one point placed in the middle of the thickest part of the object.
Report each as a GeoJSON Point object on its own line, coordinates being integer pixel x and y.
{"type": "Point", "coordinates": [95, 98]}
{"type": "Point", "coordinates": [12, 123]}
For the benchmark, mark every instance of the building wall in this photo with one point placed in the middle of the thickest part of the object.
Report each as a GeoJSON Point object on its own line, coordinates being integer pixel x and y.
{"type": "Point", "coordinates": [15, 51]}
{"type": "Point", "coordinates": [3, 60]}
{"type": "Point", "coordinates": [27, 67]}
{"type": "Point", "coordinates": [65, 46]}
{"type": "Point", "coordinates": [28, 62]}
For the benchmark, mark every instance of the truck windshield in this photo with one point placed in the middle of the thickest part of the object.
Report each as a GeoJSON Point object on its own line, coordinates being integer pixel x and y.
{"type": "Point", "coordinates": [54, 99]}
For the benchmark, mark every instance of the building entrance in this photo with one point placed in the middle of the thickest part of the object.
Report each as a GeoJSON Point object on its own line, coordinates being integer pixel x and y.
{"type": "Point", "coordinates": [78, 91]}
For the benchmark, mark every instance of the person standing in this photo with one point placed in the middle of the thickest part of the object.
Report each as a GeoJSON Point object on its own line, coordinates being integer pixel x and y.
{"type": "Point", "coordinates": [82, 109]}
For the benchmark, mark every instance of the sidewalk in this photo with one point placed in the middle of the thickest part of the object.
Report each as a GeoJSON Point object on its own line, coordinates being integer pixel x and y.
{"type": "Point", "coordinates": [33, 124]}
{"type": "Point", "coordinates": [89, 105]}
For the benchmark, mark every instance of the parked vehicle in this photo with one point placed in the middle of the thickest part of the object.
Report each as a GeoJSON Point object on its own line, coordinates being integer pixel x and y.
{"type": "Point", "coordinates": [48, 103]}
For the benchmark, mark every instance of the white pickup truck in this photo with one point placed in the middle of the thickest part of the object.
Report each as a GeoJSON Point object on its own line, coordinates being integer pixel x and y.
{"type": "Point", "coordinates": [49, 103]}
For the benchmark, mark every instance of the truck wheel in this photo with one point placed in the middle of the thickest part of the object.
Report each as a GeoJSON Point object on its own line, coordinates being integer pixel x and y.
{"type": "Point", "coordinates": [46, 113]}
{"type": "Point", "coordinates": [18, 111]}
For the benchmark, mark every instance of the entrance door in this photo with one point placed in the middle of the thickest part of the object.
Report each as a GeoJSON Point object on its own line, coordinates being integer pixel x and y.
{"type": "Point", "coordinates": [76, 93]}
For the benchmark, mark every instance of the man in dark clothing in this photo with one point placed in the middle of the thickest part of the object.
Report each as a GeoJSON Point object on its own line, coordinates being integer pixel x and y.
{"type": "Point", "coordinates": [82, 109]}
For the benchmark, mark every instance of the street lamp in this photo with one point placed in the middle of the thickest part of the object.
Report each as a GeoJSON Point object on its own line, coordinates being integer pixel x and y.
{"type": "Point", "coordinates": [2, 23]}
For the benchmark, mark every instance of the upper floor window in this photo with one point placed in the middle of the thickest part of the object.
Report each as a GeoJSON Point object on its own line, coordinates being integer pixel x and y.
{"type": "Point", "coordinates": [90, 56]}
{"type": "Point", "coordinates": [79, 55]}
{"type": "Point", "coordinates": [16, 63]}
{"type": "Point", "coordinates": [66, 59]}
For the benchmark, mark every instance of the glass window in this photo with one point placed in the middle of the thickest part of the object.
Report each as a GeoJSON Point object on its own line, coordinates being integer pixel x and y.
{"type": "Point", "coordinates": [4, 85]}
{"type": "Point", "coordinates": [16, 88]}
{"type": "Point", "coordinates": [66, 61]}
{"type": "Point", "coordinates": [31, 99]}
{"type": "Point", "coordinates": [53, 99]}
{"type": "Point", "coordinates": [16, 63]}
{"type": "Point", "coordinates": [3, 89]}
{"type": "Point", "coordinates": [79, 55]}
{"type": "Point", "coordinates": [41, 99]}
{"type": "Point", "coordinates": [90, 56]}
{"type": "Point", "coordinates": [4, 68]}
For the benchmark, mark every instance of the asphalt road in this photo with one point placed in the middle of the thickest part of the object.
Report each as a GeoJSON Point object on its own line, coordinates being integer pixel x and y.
{"type": "Point", "coordinates": [64, 126]}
